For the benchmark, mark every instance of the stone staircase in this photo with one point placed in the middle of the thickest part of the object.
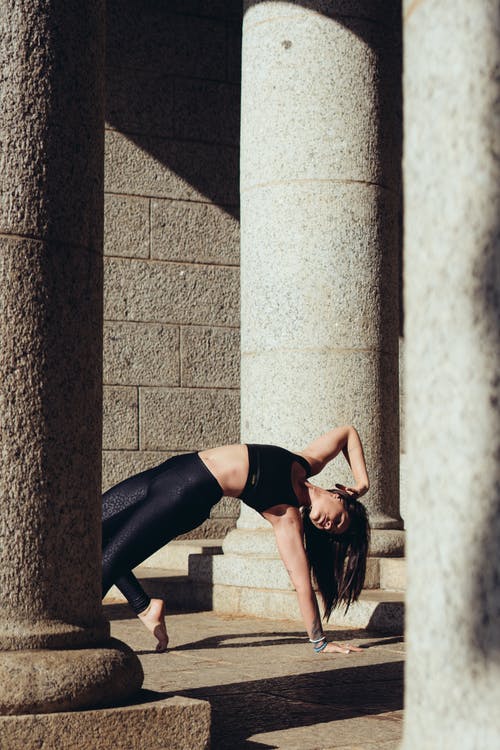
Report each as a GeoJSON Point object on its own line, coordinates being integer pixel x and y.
{"type": "Point", "coordinates": [192, 576]}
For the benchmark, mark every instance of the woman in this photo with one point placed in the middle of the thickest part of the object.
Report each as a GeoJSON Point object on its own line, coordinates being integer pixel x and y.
{"type": "Point", "coordinates": [325, 531]}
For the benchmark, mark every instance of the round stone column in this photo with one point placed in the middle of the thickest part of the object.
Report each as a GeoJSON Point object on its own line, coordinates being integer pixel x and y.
{"type": "Point", "coordinates": [320, 196]}
{"type": "Point", "coordinates": [452, 318]}
{"type": "Point", "coordinates": [55, 648]}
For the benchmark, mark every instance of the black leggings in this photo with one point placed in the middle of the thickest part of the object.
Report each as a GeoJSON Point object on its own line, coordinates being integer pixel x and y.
{"type": "Point", "coordinates": [146, 511]}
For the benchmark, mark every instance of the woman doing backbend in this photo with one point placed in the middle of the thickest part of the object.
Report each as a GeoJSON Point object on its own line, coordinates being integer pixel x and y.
{"type": "Point", "coordinates": [318, 530]}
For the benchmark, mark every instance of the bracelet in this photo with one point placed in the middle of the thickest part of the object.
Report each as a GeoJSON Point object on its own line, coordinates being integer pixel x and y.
{"type": "Point", "coordinates": [319, 649]}
{"type": "Point", "coordinates": [317, 640]}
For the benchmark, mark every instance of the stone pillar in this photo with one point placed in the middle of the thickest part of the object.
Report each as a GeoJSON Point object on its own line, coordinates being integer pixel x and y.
{"type": "Point", "coordinates": [319, 214]}
{"type": "Point", "coordinates": [320, 197]}
{"type": "Point", "coordinates": [55, 648]}
{"type": "Point", "coordinates": [452, 318]}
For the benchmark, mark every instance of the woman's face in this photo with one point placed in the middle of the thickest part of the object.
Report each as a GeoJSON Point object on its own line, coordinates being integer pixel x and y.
{"type": "Point", "coordinates": [328, 511]}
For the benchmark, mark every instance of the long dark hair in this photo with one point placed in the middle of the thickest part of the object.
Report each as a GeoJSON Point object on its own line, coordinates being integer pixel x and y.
{"type": "Point", "coordinates": [338, 561]}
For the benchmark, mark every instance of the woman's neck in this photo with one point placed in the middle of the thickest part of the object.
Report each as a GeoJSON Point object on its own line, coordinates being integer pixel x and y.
{"type": "Point", "coordinates": [301, 489]}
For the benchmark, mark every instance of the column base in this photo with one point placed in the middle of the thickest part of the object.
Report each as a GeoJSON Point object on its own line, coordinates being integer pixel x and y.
{"type": "Point", "coordinates": [46, 681]}
{"type": "Point", "coordinates": [239, 541]}
{"type": "Point", "coordinates": [387, 543]}
{"type": "Point", "coordinates": [250, 579]}
{"type": "Point", "coordinates": [169, 723]}
{"type": "Point", "coordinates": [19, 635]}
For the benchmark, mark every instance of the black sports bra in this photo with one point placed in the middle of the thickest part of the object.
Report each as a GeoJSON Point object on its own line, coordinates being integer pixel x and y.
{"type": "Point", "coordinates": [269, 480]}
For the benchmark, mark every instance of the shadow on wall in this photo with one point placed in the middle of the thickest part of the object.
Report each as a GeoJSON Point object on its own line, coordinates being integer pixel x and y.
{"type": "Point", "coordinates": [173, 80]}
{"type": "Point", "coordinates": [173, 77]}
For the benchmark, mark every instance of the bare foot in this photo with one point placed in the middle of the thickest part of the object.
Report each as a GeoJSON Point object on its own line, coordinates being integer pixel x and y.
{"type": "Point", "coordinates": [154, 619]}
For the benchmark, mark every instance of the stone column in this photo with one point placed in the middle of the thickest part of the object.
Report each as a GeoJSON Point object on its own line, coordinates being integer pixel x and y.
{"type": "Point", "coordinates": [320, 187]}
{"type": "Point", "coordinates": [319, 213]}
{"type": "Point", "coordinates": [55, 648]}
{"type": "Point", "coordinates": [452, 313]}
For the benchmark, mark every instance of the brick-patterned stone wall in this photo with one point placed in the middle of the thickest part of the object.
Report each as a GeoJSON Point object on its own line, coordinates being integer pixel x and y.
{"type": "Point", "coordinates": [171, 304]}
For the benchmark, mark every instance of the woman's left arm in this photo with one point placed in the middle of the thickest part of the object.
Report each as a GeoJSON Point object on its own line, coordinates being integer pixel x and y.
{"type": "Point", "coordinates": [287, 526]}
{"type": "Point", "coordinates": [345, 439]}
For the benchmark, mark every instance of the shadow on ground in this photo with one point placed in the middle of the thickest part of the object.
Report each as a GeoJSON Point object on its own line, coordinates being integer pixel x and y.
{"type": "Point", "coordinates": [243, 709]}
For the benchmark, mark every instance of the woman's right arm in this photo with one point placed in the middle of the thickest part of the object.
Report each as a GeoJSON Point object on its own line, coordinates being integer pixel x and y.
{"type": "Point", "coordinates": [345, 439]}
{"type": "Point", "coordinates": [287, 526]}
{"type": "Point", "coordinates": [288, 532]}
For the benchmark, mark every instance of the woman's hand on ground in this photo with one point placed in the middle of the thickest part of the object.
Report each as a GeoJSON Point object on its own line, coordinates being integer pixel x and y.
{"type": "Point", "coordinates": [340, 648]}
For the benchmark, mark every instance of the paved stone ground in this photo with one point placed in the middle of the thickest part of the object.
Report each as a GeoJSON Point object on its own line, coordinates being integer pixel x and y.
{"type": "Point", "coordinates": [265, 686]}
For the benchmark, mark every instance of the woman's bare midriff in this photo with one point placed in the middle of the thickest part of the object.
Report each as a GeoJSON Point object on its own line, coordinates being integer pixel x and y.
{"type": "Point", "coordinates": [229, 465]}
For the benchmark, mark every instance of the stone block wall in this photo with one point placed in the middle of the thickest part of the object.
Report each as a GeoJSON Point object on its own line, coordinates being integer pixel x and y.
{"type": "Point", "coordinates": [171, 242]}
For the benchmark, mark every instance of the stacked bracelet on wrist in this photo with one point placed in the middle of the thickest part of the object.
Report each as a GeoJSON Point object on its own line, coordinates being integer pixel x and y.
{"type": "Point", "coordinates": [319, 643]}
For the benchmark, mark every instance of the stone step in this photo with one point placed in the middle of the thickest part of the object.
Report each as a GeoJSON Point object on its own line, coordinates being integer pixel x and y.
{"type": "Point", "coordinates": [266, 571]}
{"type": "Point", "coordinates": [195, 556]}
{"type": "Point", "coordinates": [392, 576]}
{"type": "Point", "coordinates": [376, 610]}
{"type": "Point", "coordinates": [387, 573]}
{"type": "Point", "coordinates": [179, 592]}
{"type": "Point", "coordinates": [151, 721]}
{"type": "Point", "coordinates": [175, 555]}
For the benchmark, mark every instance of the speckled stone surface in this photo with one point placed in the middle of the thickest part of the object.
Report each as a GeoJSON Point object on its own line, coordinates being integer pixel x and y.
{"type": "Point", "coordinates": [320, 144]}
{"type": "Point", "coordinates": [149, 724]}
{"type": "Point", "coordinates": [51, 310]}
{"type": "Point", "coordinates": [48, 681]}
{"type": "Point", "coordinates": [265, 686]}
{"type": "Point", "coordinates": [188, 418]}
{"type": "Point", "coordinates": [120, 417]}
{"type": "Point", "coordinates": [141, 354]}
{"type": "Point", "coordinates": [452, 302]}
{"type": "Point", "coordinates": [170, 292]}
{"type": "Point", "coordinates": [172, 228]}
{"type": "Point", "coordinates": [52, 57]}
{"type": "Point", "coordinates": [126, 226]}
{"type": "Point", "coordinates": [194, 232]}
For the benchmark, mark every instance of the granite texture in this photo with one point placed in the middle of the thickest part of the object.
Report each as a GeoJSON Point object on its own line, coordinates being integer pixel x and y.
{"type": "Point", "coordinates": [352, 386]}
{"type": "Point", "coordinates": [170, 169]}
{"type": "Point", "coordinates": [163, 724]}
{"type": "Point", "coordinates": [138, 100]}
{"type": "Point", "coordinates": [187, 419]}
{"type": "Point", "coordinates": [48, 681]}
{"type": "Point", "coordinates": [49, 119]}
{"type": "Point", "coordinates": [120, 418]}
{"type": "Point", "coordinates": [126, 226]}
{"type": "Point", "coordinates": [374, 611]}
{"type": "Point", "coordinates": [210, 357]}
{"type": "Point", "coordinates": [194, 232]}
{"type": "Point", "coordinates": [171, 223]}
{"type": "Point", "coordinates": [207, 110]}
{"type": "Point", "coordinates": [151, 37]}
{"type": "Point", "coordinates": [340, 126]}
{"type": "Point", "coordinates": [259, 571]}
{"type": "Point", "coordinates": [50, 440]}
{"type": "Point", "coordinates": [452, 339]}
{"type": "Point", "coordinates": [141, 354]}
{"type": "Point", "coordinates": [143, 291]}
{"type": "Point", "coordinates": [320, 198]}
{"type": "Point", "coordinates": [56, 650]}
{"type": "Point", "coordinates": [335, 241]}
